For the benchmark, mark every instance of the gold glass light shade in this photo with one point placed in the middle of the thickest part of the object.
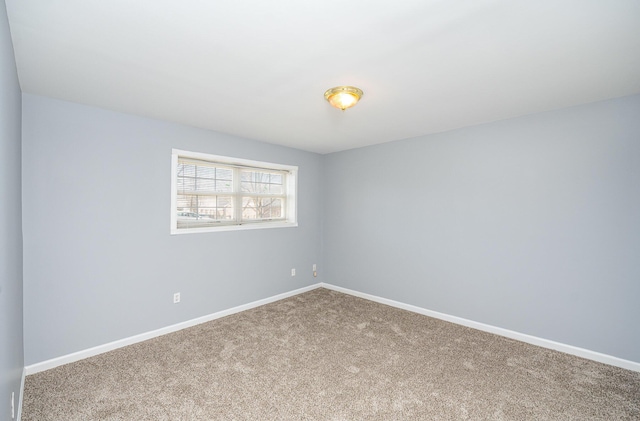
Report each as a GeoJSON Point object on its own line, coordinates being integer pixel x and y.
{"type": "Point", "coordinates": [343, 97]}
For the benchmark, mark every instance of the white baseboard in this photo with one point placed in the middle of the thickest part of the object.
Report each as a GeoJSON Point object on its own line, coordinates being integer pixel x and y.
{"type": "Point", "coordinates": [100, 349]}
{"type": "Point", "coordinates": [21, 394]}
{"type": "Point", "coordinates": [545, 343]}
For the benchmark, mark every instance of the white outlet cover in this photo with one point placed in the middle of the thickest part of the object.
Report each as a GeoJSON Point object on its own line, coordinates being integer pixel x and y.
{"type": "Point", "coordinates": [293, 272]}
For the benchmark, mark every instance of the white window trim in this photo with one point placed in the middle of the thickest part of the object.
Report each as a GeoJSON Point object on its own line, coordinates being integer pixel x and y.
{"type": "Point", "coordinates": [292, 193]}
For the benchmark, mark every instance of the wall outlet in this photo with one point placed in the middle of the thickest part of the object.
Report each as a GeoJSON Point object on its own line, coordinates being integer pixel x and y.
{"type": "Point", "coordinates": [176, 298]}
{"type": "Point", "coordinates": [13, 405]}
{"type": "Point", "coordinates": [314, 267]}
{"type": "Point", "coordinates": [293, 272]}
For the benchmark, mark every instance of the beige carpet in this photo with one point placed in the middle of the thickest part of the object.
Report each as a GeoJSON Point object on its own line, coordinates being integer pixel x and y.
{"type": "Point", "coordinates": [324, 355]}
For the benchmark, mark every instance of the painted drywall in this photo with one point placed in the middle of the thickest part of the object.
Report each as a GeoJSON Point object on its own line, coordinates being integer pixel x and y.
{"type": "Point", "coordinates": [99, 262]}
{"type": "Point", "coordinates": [11, 341]}
{"type": "Point", "coordinates": [530, 224]}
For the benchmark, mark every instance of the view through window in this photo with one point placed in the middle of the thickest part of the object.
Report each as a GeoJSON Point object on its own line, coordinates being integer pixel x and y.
{"type": "Point", "coordinates": [210, 192]}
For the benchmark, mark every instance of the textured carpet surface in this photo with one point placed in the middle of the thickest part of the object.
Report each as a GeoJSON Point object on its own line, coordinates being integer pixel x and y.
{"type": "Point", "coordinates": [323, 355]}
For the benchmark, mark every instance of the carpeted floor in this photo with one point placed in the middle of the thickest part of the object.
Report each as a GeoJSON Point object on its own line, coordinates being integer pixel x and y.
{"type": "Point", "coordinates": [323, 355]}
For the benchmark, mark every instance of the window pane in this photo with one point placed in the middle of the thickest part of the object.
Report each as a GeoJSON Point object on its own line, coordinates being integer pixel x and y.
{"type": "Point", "coordinates": [224, 186]}
{"type": "Point", "coordinates": [204, 178]}
{"type": "Point", "coordinates": [246, 176]}
{"type": "Point", "coordinates": [277, 208]}
{"type": "Point", "coordinates": [207, 201]}
{"type": "Point", "coordinates": [206, 172]}
{"type": "Point", "coordinates": [186, 170]}
{"type": "Point", "coordinates": [254, 187]}
{"type": "Point", "coordinates": [203, 208]}
{"type": "Point", "coordinates": [224, 174]}
{"type": "Point", "coordinates": [257, 208]}
{"type": "Point", "coordinates": [248, 208]}
{"type": "Point", "coordinates": [262, 182]}
{"type": "Point", "coordinates": [224, 202]}
{"type": "Point", "coordinates": [254, 208]}
{"type": "Point", "coordinates": [224, 208]}
{"type": "Point", "coordinates": [205, 184]}
{"type": "Point", "coordinates": [186, 184]}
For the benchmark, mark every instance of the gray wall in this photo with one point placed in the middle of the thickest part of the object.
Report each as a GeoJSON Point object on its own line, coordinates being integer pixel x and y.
{"type": "Point", "coordinates": [99, 263]}
{"type": "Point", "coordinates": [530, 224]}
{"type": "Point", "coordinates": [11, 344]}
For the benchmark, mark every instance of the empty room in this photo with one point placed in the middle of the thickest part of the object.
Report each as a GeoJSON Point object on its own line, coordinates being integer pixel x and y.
{"type": "Point", "coordinates": [285, 210]}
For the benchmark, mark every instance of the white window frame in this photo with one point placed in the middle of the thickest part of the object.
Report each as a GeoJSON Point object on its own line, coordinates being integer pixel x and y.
{"type": "Point", "coordinates": [290, 220]}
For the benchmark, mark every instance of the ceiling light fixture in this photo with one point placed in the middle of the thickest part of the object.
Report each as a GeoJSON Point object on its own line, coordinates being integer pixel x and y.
{"type": "Point", "coordinates": [343, 97]}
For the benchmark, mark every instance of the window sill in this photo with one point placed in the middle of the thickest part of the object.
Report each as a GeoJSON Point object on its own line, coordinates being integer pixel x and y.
{"type": "Point", "coordinates": [249, 226]}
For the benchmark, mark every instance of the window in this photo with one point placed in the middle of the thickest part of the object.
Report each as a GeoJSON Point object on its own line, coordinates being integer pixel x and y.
{"type": "Point", "coordinates": [217, 193]}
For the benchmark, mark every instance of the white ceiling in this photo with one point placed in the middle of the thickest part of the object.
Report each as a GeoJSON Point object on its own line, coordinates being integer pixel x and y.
{"type": "Point", "coordinates": [258, 69]}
